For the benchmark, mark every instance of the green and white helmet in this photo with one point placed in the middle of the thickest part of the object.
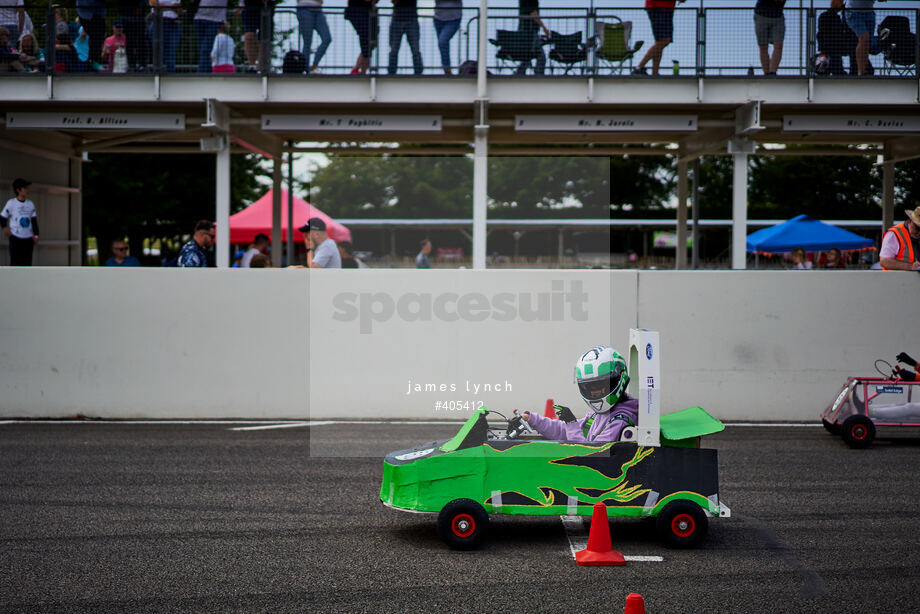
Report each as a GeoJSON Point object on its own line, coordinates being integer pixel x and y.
{"type": "Point", "coordinates": [601, 377]}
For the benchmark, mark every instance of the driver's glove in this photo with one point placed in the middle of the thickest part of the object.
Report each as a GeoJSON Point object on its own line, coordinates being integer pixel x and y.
{"type": "Point", "coordinates": [906, 359]}
{"type": "Point", "coordinates": [564, 413]}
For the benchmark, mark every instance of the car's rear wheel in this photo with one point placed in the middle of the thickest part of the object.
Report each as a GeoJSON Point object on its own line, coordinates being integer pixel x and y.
{"type": "Point", "coordinates": [682, 524]}
{"type": "Point", "coordinates": [858, 431]}
{"type": "Point", "coordinates": [463, 524]}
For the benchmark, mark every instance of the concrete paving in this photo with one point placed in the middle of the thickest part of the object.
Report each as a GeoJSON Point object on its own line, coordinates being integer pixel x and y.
{"type": "Point", "coordinates": [202, 518]}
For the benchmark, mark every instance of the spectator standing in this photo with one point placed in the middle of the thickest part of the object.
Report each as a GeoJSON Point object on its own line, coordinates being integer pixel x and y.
{"type": "Point", "coordinates": [447, 15]}
{"type": "Point", "coordinates": [346, 253]}
{"type": "Point", "coordinates": [20, 224]}
{"type": "Point", "coordinates": [252, 31]}
{"type": "Point", "coordinates": [120, 255]}
{"type": "Point", "coordinates": [165, 31]}
{"type": "Point", "coordinates": [259, 246]}
{"type": "Point", "coordinates": [193, 254]}
{"type": "Point", "coordinates": [860, 16]}
{"type": "Point", "coordinates": [421, 260]}
{"type": "Point", "coordinates": [92, 18]}
{"type": "Point", "coordinates": [13, 17]}
{"type": "Point", "coordinates": [405, 21]}
{"type": "Point", "coordinates": [63, 25]}
{"type": "Point", "coordinates": [529, 26]}
{"type": "Point", "coordinates": [133, 14]}
{"type": "Point", "coordinates": [310, 16]}
{"type": "Point", "coordinates": [111, 46]}
{"type": "Point", "coordinates": [210, 16]}
{"type": "Point", "coordinates": [362, 15]}
{"type": "Point", "coordinates": [661, 16]}
{"type": "Point", "coordinates": [770, 28]}
{"type": "Point", "coordinates": [901, 244]}
{"type": "Point", "coordinates": [321, 250]}
{"type": "Point", "coordinates": [223, 50]}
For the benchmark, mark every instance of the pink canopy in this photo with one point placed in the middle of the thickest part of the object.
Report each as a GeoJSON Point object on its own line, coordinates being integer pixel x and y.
{"type": "Point", "coordinates": [257, 217]}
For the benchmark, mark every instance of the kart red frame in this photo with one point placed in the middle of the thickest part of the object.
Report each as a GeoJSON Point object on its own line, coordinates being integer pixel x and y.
{"type": "Point", "coordinates": [851, 413]}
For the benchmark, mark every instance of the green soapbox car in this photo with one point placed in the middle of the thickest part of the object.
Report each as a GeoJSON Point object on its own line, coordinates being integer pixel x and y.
{"type": "Point", "coordinates": [480, 472]}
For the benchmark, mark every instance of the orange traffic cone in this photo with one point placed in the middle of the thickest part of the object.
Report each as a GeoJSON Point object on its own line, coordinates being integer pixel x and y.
{"type": "Point", "coordinates": [600, 550]}
{"type": "Point", "coordinates": [635, 604]}
{"type": "Point", "coordinates": [549, 412]}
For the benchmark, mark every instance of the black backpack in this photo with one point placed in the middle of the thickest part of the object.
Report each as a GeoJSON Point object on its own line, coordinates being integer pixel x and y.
{"type": "Point", "coordinates": [294, 63]}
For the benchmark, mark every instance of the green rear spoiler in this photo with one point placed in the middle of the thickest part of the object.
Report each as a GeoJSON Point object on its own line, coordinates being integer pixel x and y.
{"type": "Point", "coordinates": [682, 428]}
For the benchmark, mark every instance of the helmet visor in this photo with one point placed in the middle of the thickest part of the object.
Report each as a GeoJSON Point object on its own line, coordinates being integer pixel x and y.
{"type": "Point", "coordinates": [595, 390]}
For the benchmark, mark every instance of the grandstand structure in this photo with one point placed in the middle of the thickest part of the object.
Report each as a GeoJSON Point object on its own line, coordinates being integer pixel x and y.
{"type": "Point", "coordinates": [51, 122]}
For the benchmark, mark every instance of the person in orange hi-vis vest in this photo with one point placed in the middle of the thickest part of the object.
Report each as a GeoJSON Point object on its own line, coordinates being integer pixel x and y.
{"type": "Point", "coordinates": [901, 244]}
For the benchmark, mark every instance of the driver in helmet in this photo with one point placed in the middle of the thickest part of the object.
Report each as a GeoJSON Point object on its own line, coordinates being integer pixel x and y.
{"type": "Point", "coordinates": [602, 379]}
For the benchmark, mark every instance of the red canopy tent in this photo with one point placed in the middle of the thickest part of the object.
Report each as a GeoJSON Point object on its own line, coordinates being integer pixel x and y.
{"type": "Point", "coordinates": [257, 217]}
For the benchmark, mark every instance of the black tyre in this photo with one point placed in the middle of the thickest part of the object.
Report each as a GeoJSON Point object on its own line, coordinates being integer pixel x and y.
{"type": "Point", "coordinates": [831, 427]}
{"type": "Point", "coordinates": [858, 431]}
{"type": "Point", "coordinates": [682, 524]}
{"type": "Point", "coordinates": [463, 524]}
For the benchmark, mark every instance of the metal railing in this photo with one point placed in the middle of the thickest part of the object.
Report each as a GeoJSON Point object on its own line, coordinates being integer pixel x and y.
{"type": "Point", "coordinates": [598, 41]}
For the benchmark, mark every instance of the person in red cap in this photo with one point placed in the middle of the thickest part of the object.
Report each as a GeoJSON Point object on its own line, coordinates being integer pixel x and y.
{"type": "Point", "coordinates": [321, 250]}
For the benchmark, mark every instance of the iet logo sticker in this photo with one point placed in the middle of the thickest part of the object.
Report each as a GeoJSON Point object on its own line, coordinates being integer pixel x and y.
{"type": "Point", "coordinates": [648, 351]}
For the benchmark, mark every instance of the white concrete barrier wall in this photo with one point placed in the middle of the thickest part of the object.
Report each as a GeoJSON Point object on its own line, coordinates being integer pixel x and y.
{"type": "Point", "coordinates": [295, 344]}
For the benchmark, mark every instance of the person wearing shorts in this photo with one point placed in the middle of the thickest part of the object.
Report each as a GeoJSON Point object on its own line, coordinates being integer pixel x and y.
{"type": "Point", "coordinates": [661, 16]}
{"type": "Point", "coordinates": [860, 16]}
{"type": "Point", "coordinates": [363, 18]}
{"type": "Point", "coordinates": [770, 28]}
{"type": "Point", "coordinates": [252, 31]}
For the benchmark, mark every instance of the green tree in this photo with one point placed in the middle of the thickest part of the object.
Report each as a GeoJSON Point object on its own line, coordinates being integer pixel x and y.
{"type": "Point", "coordinates": [143, 196]}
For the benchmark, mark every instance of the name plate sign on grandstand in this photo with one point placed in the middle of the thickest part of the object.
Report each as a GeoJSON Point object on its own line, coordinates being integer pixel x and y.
{"type": "Point", "coordinates": [850, 123]}
{"type": "Point", "coordinates": [96, 121]}
{"type": "Point", "coordinates": [352, 123]}
{"type": "Point", "coordinates": [605, 123]}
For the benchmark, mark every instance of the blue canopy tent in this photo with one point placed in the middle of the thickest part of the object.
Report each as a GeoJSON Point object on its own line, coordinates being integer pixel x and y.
{"type": "Point", "coordinates": [806, 232]}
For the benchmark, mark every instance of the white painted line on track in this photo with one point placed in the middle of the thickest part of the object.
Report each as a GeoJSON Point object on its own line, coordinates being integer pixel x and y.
{"type": "Point", "coordinates": [265, 427]}
{"type": "Point", "coordinates": [133, 422]}
{"type": "Point", "coordinates": [577, 535]}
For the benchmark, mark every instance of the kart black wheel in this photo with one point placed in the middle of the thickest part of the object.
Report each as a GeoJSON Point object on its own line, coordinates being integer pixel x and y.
{"type": "Point", "coordinates": [682, 524]}
{"type": "Point", "coordinates": [463, 524]}
{"type": "Point", "coordinates": [858, 431]}
{"type": "Point", "coordinates": [831, 427]}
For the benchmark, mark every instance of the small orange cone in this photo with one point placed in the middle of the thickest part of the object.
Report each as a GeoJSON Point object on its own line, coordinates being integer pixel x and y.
{"type": "Point", "coordinates": [549, 412]}
{"type": "Point", "coordinates": [635, 604]}
{"type": "Point", "coordinates": [600, 550]}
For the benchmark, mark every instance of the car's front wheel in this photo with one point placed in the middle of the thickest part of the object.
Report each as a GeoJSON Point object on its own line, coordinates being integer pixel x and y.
{"type": "Point", "coordinates": [858, 431]}
{"type": "Point", "coordinates": [463, 524]}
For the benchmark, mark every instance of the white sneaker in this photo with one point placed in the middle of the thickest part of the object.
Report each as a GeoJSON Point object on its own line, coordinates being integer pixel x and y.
{"type": "Point", "coordinates": [315, 71]}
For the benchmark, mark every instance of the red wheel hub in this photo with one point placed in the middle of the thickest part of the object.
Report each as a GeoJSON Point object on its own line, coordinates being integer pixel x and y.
{"type": "Point", "coordinates": [859, 431]}
{"type": "Point", "coordinates": [463, 525]}
{"type": "Point", "coordinates": [683, 525]}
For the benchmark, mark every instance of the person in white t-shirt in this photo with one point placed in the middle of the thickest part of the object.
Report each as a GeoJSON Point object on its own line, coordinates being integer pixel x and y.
{"type": "Point", "coordinates": [20, 224]}
{"type": "Point", "coordinates": [259, 246]}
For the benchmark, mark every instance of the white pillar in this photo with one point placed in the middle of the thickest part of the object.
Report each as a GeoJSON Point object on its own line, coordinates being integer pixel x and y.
{"type": "Point", "coordinates": [480, 148]}
{"type": "Point", "coordinates": [222, 192]}
{"type": "Point", "coordinates": [290, 207]}
{"type": "Point", "coordinates": [739, 148]}
{"type": "Point", "coordinates": [276, 210]}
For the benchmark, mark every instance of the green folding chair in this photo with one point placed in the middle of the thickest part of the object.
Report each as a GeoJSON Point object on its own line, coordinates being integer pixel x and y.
{"type": "Point", "coordinates": [614, 47]}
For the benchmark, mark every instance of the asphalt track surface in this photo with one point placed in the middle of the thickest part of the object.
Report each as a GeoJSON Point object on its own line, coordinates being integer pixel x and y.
{"type": "Point", "coordinates": [201, 518]}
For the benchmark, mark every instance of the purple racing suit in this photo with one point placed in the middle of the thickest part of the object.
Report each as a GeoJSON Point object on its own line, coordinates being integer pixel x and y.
{"type": "Point", "coordinates": [604, 427]}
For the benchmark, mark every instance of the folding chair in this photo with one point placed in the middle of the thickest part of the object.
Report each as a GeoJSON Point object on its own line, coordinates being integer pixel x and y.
{"type": "Point", "coordinates": [614, 46]}
{"type": "Point", "coordinates": [568, 50]}
{"type": "Point", "coordinates": [898, 45]}
{"type": "Point", "coordinates": [513, 46]}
